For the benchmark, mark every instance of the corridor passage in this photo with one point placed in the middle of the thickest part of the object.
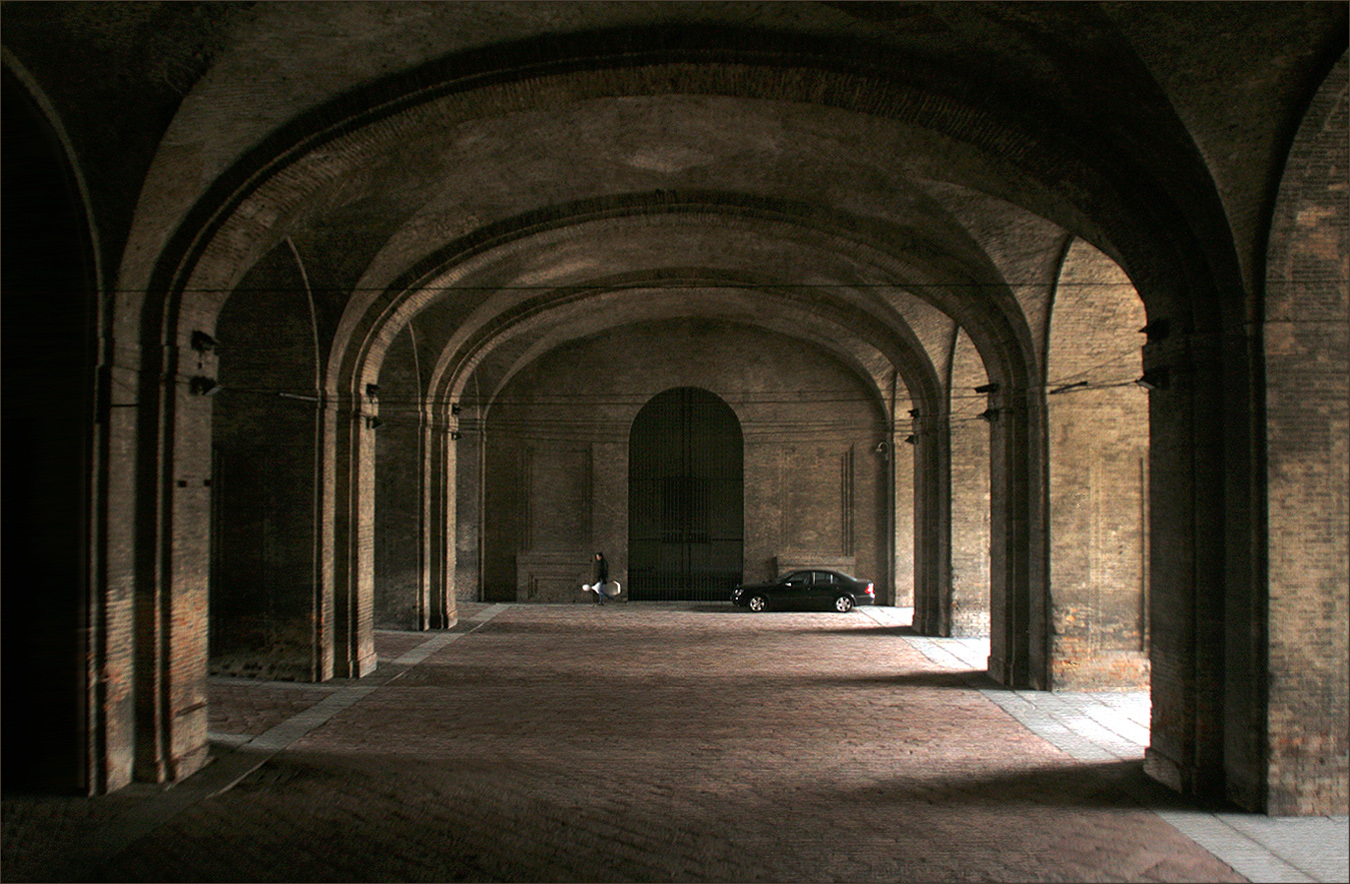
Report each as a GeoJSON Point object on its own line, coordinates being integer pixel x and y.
{"type": "Point", "coordinates": [633, 742]}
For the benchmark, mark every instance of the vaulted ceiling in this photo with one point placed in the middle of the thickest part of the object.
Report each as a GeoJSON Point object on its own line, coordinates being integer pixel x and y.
{"type": "Point", "coordinates": [512, 175]}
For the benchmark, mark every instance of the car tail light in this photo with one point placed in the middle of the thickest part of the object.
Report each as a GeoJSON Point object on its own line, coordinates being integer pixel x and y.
{"type": "Point", "coordinates": [870, 590]}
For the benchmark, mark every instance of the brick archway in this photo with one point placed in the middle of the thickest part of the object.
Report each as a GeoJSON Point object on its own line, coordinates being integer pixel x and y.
{"type": "Point", "coordinates": [237, 182]}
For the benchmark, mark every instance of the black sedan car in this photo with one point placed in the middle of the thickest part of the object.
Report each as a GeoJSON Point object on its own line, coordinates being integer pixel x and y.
{"type": "Point", "coordinates": [807, 589]}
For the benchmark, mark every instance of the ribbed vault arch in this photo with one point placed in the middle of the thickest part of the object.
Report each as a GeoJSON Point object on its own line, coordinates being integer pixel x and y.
{"type": "Point", "coordinates": [864, 283]}
{"type": "Point", "coordinates": [478, 186]}
{"type": "Point", "coordinates": [272, 183]}
{"type": "Point", "coordinates": [1162, 219]}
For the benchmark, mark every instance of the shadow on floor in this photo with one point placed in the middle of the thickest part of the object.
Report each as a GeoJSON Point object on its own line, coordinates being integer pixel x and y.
{"type": "Point", "coordinates": [1111, 785]}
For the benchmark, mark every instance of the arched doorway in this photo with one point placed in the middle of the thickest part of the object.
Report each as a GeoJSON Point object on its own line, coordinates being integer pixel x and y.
{"type": "Point", "coordinates": [50, 305]}
{"type": "Point", "coordinates": [686, 491]}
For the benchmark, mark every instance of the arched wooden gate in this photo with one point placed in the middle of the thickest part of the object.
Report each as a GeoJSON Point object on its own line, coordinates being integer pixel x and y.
{"type": "Point", "coordinates": [685, 498]}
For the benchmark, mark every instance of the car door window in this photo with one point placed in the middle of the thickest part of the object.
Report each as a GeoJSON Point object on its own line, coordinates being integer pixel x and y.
{"type": "Point", "coordinates": [795, 587]}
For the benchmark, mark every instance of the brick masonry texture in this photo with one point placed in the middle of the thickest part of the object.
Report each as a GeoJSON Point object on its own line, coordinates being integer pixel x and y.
{"type": "Point", "coordinates": [970, 493]}
{"type": "Point", "coordinates": [481, 205]}
{"type": "Point", "coordinates": [662, 743]}
{"type": "Point", "coordinates": [263, 477]}
{"type": "Point", "coordinates": [1098, 451]}
{"type": "Point", "coordinates": [801, 414]}
{"type": "Point", "coordinates": [1308, 408]}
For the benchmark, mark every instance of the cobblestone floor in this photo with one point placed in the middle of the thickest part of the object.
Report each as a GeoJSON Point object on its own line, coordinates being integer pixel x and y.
{"type": "Point", "coordinates": [627, 743]}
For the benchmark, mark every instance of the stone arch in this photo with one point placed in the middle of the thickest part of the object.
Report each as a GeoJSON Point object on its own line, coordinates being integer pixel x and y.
{"type": "Point", "coordinates": [458, 363]}
{"type": "Point", "coordinates": [475, 275]}
{"type": "Point", "coordinates": [866, 358]}
{"type": "Point", "coordinates": [890, 257]}
{"type": "Point", "coordinates": [693, 60]}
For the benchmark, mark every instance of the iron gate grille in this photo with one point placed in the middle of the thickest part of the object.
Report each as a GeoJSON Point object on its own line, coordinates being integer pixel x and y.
{"type": "Point", "coordinates": [685, 498]}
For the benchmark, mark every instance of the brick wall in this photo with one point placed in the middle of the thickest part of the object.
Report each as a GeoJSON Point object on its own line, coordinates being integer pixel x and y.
{"type": "Point", "coordinates": [1098, 447]}
{"type": "Point", "coordinates": [399, 590]}
{"type": "Point", "coordinates": [903, 472]}
{"type": "Point", "coordinates": [814, 481]}
{"type": "Point", "coordinates": [1306, 405]}
{"type": "Point", "coordinates": [264, 473]}
{"type": "Point", "coordinates": [969, 615]}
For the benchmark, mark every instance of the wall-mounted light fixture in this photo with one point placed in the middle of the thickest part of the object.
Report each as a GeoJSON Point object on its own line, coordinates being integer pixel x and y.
{"type": "Point", "coordinates": [374, 423]}
{"type": "Point", "coordinates": [455, 408]}
{"type": "Point", "coordinates": [988, 415]}
{"type": "Point", "coordinates": [988, 388]}
{"type": "Point", "coordinates": [454, 435]}
{"type": "Point", "coordinates": [202, 386]}
{"type": "Point", "coordinates": [372, 390]}
{"type": "Point", "coordinates": [202, 342]}
{"type": "Point", "coordinates": [911, 440]}
{"type": "Point", "coordinates": [1155, 378]}
{"type": "Point", "coordinates": [915, 413]}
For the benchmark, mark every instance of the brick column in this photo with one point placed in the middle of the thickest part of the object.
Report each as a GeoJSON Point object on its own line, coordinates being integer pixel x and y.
{"type": "Point", "coordinates": [439, 473]}
{"type": "Point", "coordinates": [349, 479]}
{"type": "Point", "coordinates": [113, 619]}
{"type": "Point", "coordinates": [171, 596]}
{"type": "Point", "coordinates": [1302, 763]}
{"type": "Point", "coordinates": [932, 524]}
{"type": "Point", "coordinates": [1017, 656]}
{"type": "Point", "coordinates": [1187, 536]}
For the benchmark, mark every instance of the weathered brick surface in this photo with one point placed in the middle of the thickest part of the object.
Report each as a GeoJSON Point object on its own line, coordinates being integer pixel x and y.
{"type": "Point", "coordinates": [969, 614]}
{"type": "Point", "coordinates": [263, 477]}
{"type": "Point", "coordinates": [242, 708]}
{"type": "Point", "coordinates": [399, 594]}
{"type": "Point", "coordinates": [1307, 339]}
{"type": "Point", "coordinates": [363, 134]}
{"type": "Point", "coordinates": [1098, 441]}
{"type": "Point", "coordinates": [649, 742]}
{"type": "Point", "coordinates": [814, 483]}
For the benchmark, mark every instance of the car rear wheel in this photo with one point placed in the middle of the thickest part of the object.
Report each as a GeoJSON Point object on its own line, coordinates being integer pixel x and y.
{"type": "Point", "coordinates": [843, 604]}
{"type": "Point", "coordinates": [758, 603]}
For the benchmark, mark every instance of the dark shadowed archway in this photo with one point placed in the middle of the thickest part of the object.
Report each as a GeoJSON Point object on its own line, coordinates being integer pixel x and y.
{"type": "Point", "coordinates": [48, 350]}
{"type": "Point", "coordinates": [686, 490]}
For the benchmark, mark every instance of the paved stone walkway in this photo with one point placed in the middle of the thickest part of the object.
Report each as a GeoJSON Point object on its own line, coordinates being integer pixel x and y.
{"type": "Point", "coordinates": [642, 743]}
{"type": "Point", "coordinates": [1096, 727]}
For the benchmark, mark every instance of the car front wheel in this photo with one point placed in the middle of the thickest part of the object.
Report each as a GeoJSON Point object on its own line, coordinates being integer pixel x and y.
{"type": "Point", "coordinates": [758, 603]}
{"type": "Point", "coordinates": [843, 604]}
